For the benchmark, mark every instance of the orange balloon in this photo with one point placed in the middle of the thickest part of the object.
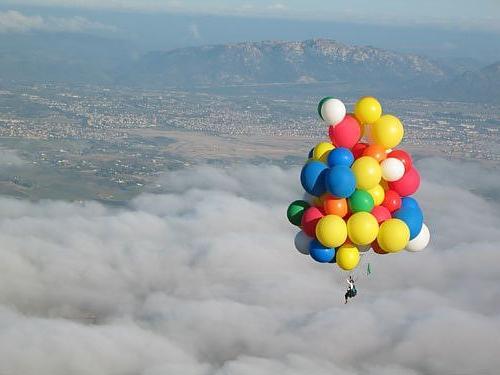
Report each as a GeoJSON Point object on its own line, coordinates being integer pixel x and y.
{"type": "Point", "coordinates": [335, 206]}
{"type": "Point", "coordinates": [375, 151]}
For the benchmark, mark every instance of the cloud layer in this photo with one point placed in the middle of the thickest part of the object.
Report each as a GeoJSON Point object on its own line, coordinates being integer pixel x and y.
{"type": "Point", "coordinates": [203, 279]}
{"type": "Point", "coordinates": [12, 21]}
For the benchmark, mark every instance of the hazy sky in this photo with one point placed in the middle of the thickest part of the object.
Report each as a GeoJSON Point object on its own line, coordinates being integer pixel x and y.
{"type": "Point", "coordinates": [483, 14]}
{"type": "Point", "coordinates": [204, 279]}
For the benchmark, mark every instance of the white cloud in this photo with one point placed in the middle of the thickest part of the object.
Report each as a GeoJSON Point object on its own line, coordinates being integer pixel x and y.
{"type": "Point", "coordinates": [203, 279]}
{"type": "Point", "coordinates": [14, 21]}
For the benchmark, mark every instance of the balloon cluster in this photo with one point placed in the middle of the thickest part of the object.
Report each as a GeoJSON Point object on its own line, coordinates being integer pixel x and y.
{"type": "Point", "coordinates": [358, 194]}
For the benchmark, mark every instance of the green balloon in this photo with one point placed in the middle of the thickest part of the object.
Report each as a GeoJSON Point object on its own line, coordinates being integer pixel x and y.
{"type": "Point", "coordinates": [321, 102]}
{"type": "Point", "coordinates": [361, 201]}
{"type": "Point", "coordinates": [295, 211]}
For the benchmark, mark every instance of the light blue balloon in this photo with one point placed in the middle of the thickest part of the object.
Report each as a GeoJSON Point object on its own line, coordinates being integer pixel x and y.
{"type": "Point", "coordinates": [340, 181]}
{"type": "Point", "coordinates": [312, 177]}
{"type": "Point", "coordinates": [409, 202]}
{"type": "Point", "coordinates": [320, 253]}
{"type": "Point", "coordinates": [340, 156]}
{"type": "Point", "coordinates": [412, 217]}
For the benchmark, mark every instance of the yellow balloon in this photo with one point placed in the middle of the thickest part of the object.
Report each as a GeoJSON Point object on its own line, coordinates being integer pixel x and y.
{"type": "Point", "coordinates": [387, 131]}
{"type": "Point", "coordinates": [368, 110]}
{"type": "Point", "coordinates": [362, 228]}
{"type": "Point", "coordinates": [347, 256]}
{"type": "Point", "coordinates": [367, 172]}
{"type": "Point", "coordinates": [378, 194]}
{"type": "Point", "coordinates": [393, 235]}
{"type": "Point", "coordinates": [322, 150]}
{"type": "Point", "coordinates": [331, 231]}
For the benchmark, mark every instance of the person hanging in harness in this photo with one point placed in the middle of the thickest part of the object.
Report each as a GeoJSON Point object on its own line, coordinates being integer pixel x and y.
{"type": "Point", "coordinates": [351, 289]}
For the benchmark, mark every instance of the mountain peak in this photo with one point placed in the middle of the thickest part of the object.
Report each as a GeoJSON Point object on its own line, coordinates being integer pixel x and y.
{"type": "Point", "coordinates": [277, 61]}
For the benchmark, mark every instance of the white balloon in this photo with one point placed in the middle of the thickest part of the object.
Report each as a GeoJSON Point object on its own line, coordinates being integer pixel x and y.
{"type": "Point", "coordinates": [333, 111]}
{"type": "Point", "coordinates": [392, 169]}
{"type": "Point", "coordinates": [421, 241]}
{"type": "Point", "coordinates": [302, 242]}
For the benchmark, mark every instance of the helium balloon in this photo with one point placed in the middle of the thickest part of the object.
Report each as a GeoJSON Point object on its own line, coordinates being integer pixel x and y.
{"type": "Point", "coordinates": [393, 235]}
{"type": "Point", "coordinates": [295, 211]}
{"type": "Point", "coordinates": [333, 111]}
{"type": "Point", "coordinates": [367, 172]}
{"type": "Point", "coordinates": [347, 257]}
{"type": "Point", "coordinates": [310, 155]}
{"type": "Point", "coordinates": [421, 241]}
{"type": "Point", "coordinates": [360, 201]}
{"type": "Point", "coordinates": [392, 201]}
{"type": "Point", "coordinates": [312, 177]}
{"type": "Point", "coordinates": [340, 181]}
{"type": "Point", "coordinates": [320, 253]}
{"type": "Point", "coordinates": [413, 218]}
{"type": "Point", "coordinates": [335, 206]}
{"type": "Point", "coordinates": [392, 169]}
{"type": "Point", "coordinates": [381, 213]}
{"type": "Point", "coordinates": [331, 231]}
{"type": "Point", "coordinates": [321, 151]}
{"type": "Point", "coordinates": [378, 194]}
{"type": "Point", "coordinates": [409, 202]}
{"type": "Point", "coordinates": [340, 156]}
{"type": "Point", "coordinates": [387, 131]}
{"type": "Point", "coordinates": [346, 133]}
{"type": "Point", "coordinates": [362, 228]}
{"type": "Point", "coordinates": [408, 184]}
{"type": "Point", "coordinates": [375, 151]}
{"type": "Point", "coordinates": [402, 156]}
{"type": "Point", "coordinates": [368, 110]}
{"type": "Point", "coordinates": [358, 149]}
{"type": "Point", "coordinates": [320, 105]}
{"type": "Point", "coordinates": [302, 242]}
{"type": "Point", "coordinates": [310, 218]}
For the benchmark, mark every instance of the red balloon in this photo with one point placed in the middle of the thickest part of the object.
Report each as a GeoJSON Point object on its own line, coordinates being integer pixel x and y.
{"type": "Point", "coordinates": [376, 247]}
{"type": "Point", "coordinates": [346, 133]}
{"type": "Point", "coordinates": [310, 218]}
{"type": "Point", "coordinates": [381, 213]}
{"type": "Point", "coordinates": [358, 149]}
{"type": "Point", "coordinates": [392, 200]}
{"type": "Point", "coordinates": [403, 156]}
{"type": "Point", "coordinates": [408, 184]}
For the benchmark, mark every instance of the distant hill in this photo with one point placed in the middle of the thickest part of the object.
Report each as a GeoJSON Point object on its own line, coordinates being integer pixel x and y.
{"type": "Point", "coordinates": [479, 85]}
{"type": "Point", "coordinates": [316, 60]}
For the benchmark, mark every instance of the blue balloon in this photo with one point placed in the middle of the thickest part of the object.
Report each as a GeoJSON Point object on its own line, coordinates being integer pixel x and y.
{"type": "Point", "coordinates": [409, 202]}
{"type": "Point", "coordinates": [340, 181]}
{"type": "Point", "coordinates": [312, 177]}
{"type": "Point", "coordinates": [340, 156]}
{"type": "Point", "coordinates": [413, 218]}
{"type": "Point", "coordinates": [310, 155]}
{"type": "Point", "coordinates": [320, 253]}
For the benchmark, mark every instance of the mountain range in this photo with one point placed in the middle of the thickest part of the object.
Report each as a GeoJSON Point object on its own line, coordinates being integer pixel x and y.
{"type": "Point", "coordinates": [92, 59]}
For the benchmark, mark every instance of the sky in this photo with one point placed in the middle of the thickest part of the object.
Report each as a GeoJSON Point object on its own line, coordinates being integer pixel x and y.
{"type": "Point", "coordinates": [457, 32]}
{"type": "Point", "coordinates": [204, 279]}
{"type": "Point", "coordinates": [484, 14]}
